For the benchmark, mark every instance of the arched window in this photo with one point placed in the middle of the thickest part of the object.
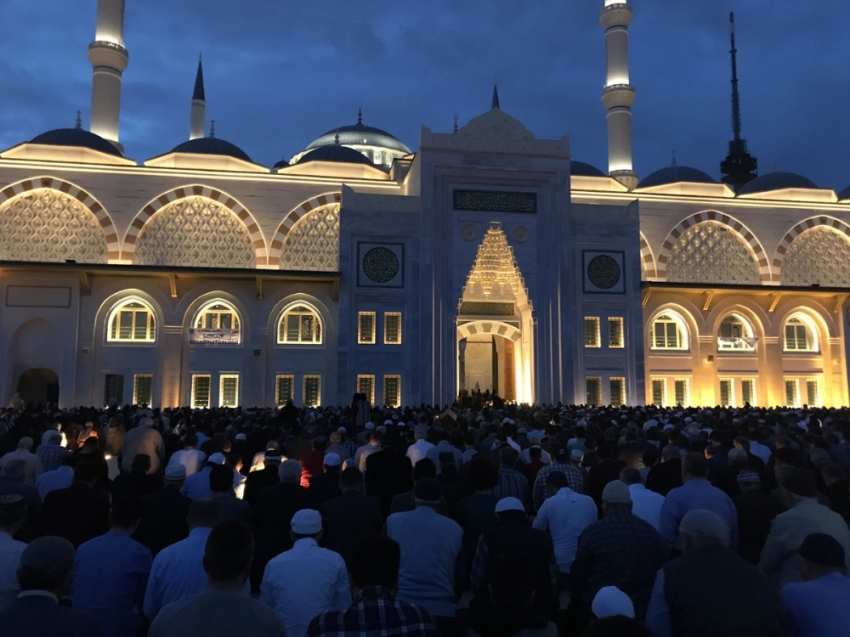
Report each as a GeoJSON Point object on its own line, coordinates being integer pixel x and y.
{"type": "Point", "coordinates": [668, 332]}
{"type": "Point", "coordinates": [219, 315]}
{"type": "Point", "coordinates": [299, 325]}
{"type": "Point", "coordinates": [800, 335]}
{"type": "Point", "coordinates": [735, 335]}
{"type": "Point", "coordinates": [131, 321]}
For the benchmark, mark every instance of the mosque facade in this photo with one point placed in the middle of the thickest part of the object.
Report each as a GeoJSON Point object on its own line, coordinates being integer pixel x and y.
{"type": "Point", "coordinates": [485, 259]}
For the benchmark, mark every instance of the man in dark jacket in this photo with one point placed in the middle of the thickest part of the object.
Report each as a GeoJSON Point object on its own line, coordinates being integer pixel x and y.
{"type": "Point", "coordinates": [743, 601]}
{"type": "Point", "coordinates": [164, 520]}
{"type": "Point", "coordinates": [667, 475]}
{"type": "Point", "coordinates": [349, 518]}
{"type": "Point", "coordinates": [265, 477]}
{"type": "Point", "coordinates": [138, 482]}
{"type": "Point", "coordinates": [326, 485]}
{"type": "Point", "coordinates": [77, 513]}
{"type": "Point", "coordinates": [388, 473]}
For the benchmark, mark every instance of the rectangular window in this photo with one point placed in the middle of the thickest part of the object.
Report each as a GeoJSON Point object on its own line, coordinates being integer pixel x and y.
{"type": "Point", "coordinates": [659, 391]}
{"type": "Point", "coordinates": [680, 388]}
{"type": "Point", "coordinates": [200, 391]}
{"type": "Point", "coordinates": [113, 390]}
{"type": "Point", "coordinates": [392, 328]}
{"type": "Point", "coordinates": [591, 331]}
{"type": "Point", "coordinates": [312, 391]}
{"type": "Point", "coordinates": [748, 391]}
{"type": "Point", "coordinates": [617, 389]}
{"type": "Point", "coordinates": [392, 391]}
{"type": "Point", "coordinates": [791, 393]}
{"type": "Point", "coordinates": [142, 389]}
{"type": "Point", "coordinates": [594, 391]}
{"type": "Point", "coordinates": [366, 385]}
{"type": "Point", "coordinates": [615, 332]}
{"type": "Point", "coordinates": [366, 328]}
{"type": "Point", "coordinates": [228, 395]}
{"type": "Point", "coordinates": [727, 392]}
{"type": "Point", "coordinates": [812, 393]}
{"type": "Point", "coordinates": [284, 389]}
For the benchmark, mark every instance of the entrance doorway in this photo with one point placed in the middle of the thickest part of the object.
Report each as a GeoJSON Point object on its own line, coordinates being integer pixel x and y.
{"type": "Point", "coordinates": [38, 385]}
{"type": "Point", "coordinates": [488, 365]}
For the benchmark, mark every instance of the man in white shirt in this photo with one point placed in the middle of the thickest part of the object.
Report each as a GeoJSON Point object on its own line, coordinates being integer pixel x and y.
{"type": "Point", "coordinates": [306, 580]}
{"type": "Point", "coordinates": [13, 514]}
{"type": "Point", "coordinates": [24, 452]}
{"type": "Point", "coordinates": [188, 456]}
{"type": "Point", "coordinates": [565, 514]}
{"type": "Point", "coordinates": [646, 504]}
{"type": "Point", "coordinates": [443, 445]}
{"type": "Point", "coordinates": [419, 449]}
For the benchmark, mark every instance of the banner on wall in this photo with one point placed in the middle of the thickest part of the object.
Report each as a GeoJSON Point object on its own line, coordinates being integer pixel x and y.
{"type": "Point", "coordinates": [198, 336]}
{"type": "Point", "coordinates": [737, 342]}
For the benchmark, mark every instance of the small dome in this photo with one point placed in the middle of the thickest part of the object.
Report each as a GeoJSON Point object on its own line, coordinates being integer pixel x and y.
{"type": "Point", "coordinates": [77, 137]}
{"type": "Point", "coordinates": [776, 181]}
{"type": "Point", "coordinates": [336, 153]}
{"type": "Point", "coordinates": [580, 169]}
{"type": "Point", "coordinates": [283, 163]}
{"type": "Point", "coordinates": [211, 146]}
{"type": "Point", "coordinates": [359, 135]}
{"type": "Point", "coordinates": [675, 174]}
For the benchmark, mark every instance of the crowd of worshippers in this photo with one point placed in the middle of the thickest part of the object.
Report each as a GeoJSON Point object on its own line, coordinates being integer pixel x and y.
{"type": "Point", "coordinates": [367, 521]}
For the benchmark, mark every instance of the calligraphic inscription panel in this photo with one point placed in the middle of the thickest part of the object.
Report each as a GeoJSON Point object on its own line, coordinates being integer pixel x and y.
{"type": "Point", "coordinates": [495, 201]}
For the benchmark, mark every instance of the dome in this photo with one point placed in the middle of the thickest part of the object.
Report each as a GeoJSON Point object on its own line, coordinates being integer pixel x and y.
{"type": "Point", "coordinates": [212, 146]}
{"type": "Point", "coordinates": [776, 181]}
{"type": "Point", "coordinates": [336, 153]}
{"type": "Point", "coordinates": [580, 169]}
{"type": "Point", "coordinates": [359, 135]}
{"type": "Point", "coordinates": [77, 137]}
{"type": "Point", "coordinates": [675, 174]}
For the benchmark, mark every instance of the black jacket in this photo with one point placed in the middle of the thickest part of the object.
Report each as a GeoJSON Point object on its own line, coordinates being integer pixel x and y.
{"type": "Point", "coordinates": [164, 520]}
{"type": "Point", "coordinates": [326, 485]}
{"type": "Point", "coordinates": [41, 616]}
{"type": "Point", "coordinates": [349, 518]}
{"type": "Point", "coordinates": [76, 513]}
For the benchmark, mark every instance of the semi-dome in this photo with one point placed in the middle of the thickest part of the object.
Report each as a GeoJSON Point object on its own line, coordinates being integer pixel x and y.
{"type": "Point", "coordinates": [212, 146]}
{"type": "Point", "coordinates": [581, 169]}
{"type": "Point", "coordinates": [359, 135]}
{"type": "Point", "coordinates": [776, 181]}
{"type": "Point", "coordinates": [335, 153]}
{"type": "Point", "coordinates": [675, 174]}
{"type": "Point", "coordinates": [77, 137]}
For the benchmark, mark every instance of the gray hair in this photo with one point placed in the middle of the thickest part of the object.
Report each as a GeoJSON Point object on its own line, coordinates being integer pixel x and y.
{"type": "Point", "coordinates": [704, 527]}
{"type": "Point", "coordinates": [669, 452]}
{"type": "Point", "coordinates": [738, 456]}
{"type": "Point", "coordinates": [290, 471]}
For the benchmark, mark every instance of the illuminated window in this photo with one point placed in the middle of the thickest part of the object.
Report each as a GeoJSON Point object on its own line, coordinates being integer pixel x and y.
{"type": "Point", "coordinates": [593, 388]}
{"type": "Point", "coordinates": [113, 390]}
{"type": "Point", "coordinates": [299, 325]}
{"type": "Point", "coordinates": [616, 338]}
{"type": "Point", "coordinates": [668, 332]}
{"type": "Point", "coordinates": [392, 328]}
{"type": "Point", "coordinates": [592, 337]}
{"type": "Point", "coordinates": [377, 157]}
{"type": "Point", "coordinates": [392, 391]}
{"type": "Point", "coordinates": [617, 389]}
{"type": "Point", "coordinates": [312, 391]}
{"type": "Point", "coordinates": [792, 392]}
{"type": "Point", "coordinates": [659, 392]}
{"type": "Point", "coordinates": [200, 391]}
{"type": "Point", "coordinates": [748, 391]}
{"type": "Point", "coordinates": [133, 322]}
{"type": "Point", "coordinates": [219, 315]}
{"type": "Point", "coordinates": [284, 389]}
{"type": "Point", "coordinates": [142, 389]}
{"type": "Point", "coordinates": [366, 328]}
{"type": "Point", "coordinates": [680, 389]}
{"type": "Point", "coordinates": [228, 390]}
{"type": "Point", "coordinates": [734, 334]}
{"type": "Point", "coordinates": [812, 392]}
{"type": "Point", "coordinates": [366, 385]}
{"type": "Point", "coordinates": [727, 392]}
{"type": "Point", "coordinates": [799, 336]}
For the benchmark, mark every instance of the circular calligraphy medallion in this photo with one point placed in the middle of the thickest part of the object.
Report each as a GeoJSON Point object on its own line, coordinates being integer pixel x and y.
{"type": "Point", "coordinates": [380, 265]}
{"type": "Point", "coordinates": [603, 272]}
{"type": "Point", "coordinates": [521, 234]}
{"type": "Point", "coordinates": [469, 232]}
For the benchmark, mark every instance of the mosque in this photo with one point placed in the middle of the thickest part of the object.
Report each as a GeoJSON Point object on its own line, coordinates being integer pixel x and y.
{"type": "Point", "coordinates": [484, 259]}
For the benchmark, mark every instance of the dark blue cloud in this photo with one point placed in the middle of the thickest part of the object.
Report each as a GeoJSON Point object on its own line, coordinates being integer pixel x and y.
{"type": "Point", "coordinates": [281, 73]}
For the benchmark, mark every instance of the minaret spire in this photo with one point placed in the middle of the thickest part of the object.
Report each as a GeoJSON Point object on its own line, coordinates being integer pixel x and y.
{"type": "Point", "coordinates": [739, 167]}
{"type": "Point", "coordinates": [495, 102]}
{"type": "Point", "coordinates": [360, 113]}
{"type": "Point", "coordinates": [108, 58]}
{"type": "Point", "coordinates": [198, 114]}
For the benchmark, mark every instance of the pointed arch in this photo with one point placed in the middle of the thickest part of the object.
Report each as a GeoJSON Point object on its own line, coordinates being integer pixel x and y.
{"type": "Point", "coordinates": [155, 205]}
{"type": "Point", "coordinates": [647, 261]}
{"type": "Point", "coordinates": [291, 218]}
{"type": "Point", "coordinates": [113, 245]}
{"type": "Point", "coordinates": [827, 224]}
{"type": "Point", "coordinates": [753, 244]}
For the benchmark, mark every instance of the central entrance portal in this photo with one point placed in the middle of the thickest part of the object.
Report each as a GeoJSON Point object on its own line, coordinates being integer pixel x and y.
{"type": "Point", "coordinates": [487, 364]}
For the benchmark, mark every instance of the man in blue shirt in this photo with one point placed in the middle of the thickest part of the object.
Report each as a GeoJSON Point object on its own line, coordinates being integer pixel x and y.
{"type": "Point", "coordinates": [111, 572]}
{"type": "Point", "coordinates": [818, 604]}
{"type": "Point", "coordinates": [696, 493]}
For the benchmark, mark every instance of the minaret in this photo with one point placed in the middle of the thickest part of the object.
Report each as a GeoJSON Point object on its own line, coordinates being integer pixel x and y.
{"type": "Point", "coordinates": [495, 102]}
{"type": "Point", "coordinates": [108, 58]}
{"type": "Point", "coordinates": [739, 167]}
{"type": "Point", "coordinates": [618, 95]}
{"type": "Point", "coordinates": [198, 118]}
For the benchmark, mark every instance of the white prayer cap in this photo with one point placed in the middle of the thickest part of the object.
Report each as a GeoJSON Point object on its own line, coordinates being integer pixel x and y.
{"type": "Point", "coordinates": [611, 601]}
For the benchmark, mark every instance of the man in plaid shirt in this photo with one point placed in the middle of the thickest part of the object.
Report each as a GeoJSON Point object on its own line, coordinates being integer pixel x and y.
{"type": "Point", "coordinates": [512, 484]}
{"type": "Point", "coordinates": [374, 566]}
{"type": "Point", "coordinates": [561, 464]}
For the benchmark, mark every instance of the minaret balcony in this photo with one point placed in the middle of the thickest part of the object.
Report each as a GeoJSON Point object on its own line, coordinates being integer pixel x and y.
{"type": "Point", "coordinates": [108, 54]}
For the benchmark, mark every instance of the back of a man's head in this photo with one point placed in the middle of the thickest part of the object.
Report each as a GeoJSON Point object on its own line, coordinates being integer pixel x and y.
{"type": "Point", "coordinates": [375, 562]}
{"type": "Point", "coordinates": [350, 479]}
{"type": "Point", "coordinates": [126, 512]}
{"type": "Point", "coordinates": [290, 471]}
{"type": "Point", "coordinates": [670, 452]}
{"type": "Point", "coordinates": [16, 470]}
{"type": "Point", "coordinates": [508, 456]}
{"type": "Point", "coordinates": [221, 479]}
{"type": "Point", "coordinates": [801, 483]}
{"type": "Point", "coordinates": [425, 468]}
{"type": "Point", "coordinates": [229, 551]}
{"type": "Point", "coordinates": [141, 463]}
{"type": "Point", "coordinates": [700, 527]}
{"type": "Point", "coordinates": [630, 476]}
{"type": "Point", "coordinates": [694, 465]}
{"type": "Point", "coordinates": [46, 565]}
{"type": "Point", "coordinates": [203, 513]}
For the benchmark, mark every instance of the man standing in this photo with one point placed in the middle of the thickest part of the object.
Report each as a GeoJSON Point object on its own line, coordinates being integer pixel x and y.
{"type": "Point", "coordinates": [13, 516]}
{"type": "Point", "coordinates": [192, 459]}
{"type": "Point", "coordinates": [164, 519]}
{"type": "Point", "coordinates": [51, 453]}
{"type": "Point", "coordinates": [565, 514]}
{"type": "Point", "coordinates": [60, 478]}
{"type": "Point", "coordinates": [619, 550]}
{"type": "Point", "coordinates": [373, 446]}
{"type": "Point", "coordinates": [512, 484]}
{"type": "Point", "coordinates": [77, 513]}
{"type": "Point", "coordinates": [262, 478]}
{"type": "Point", "coordinates": [666, 475]}
{"type": "Point", "coordinates": [350, 517]}
{"type": "Point", "coordinates": [143, 439]}
{"type": "Point", "coordinates": [197, 486]}
{"type": "Point", "coordinates": [306, 580]}
{"type": "Point", "coordinates": [561, 464]}
{"type": "Point", "coordinates": [419, 449]}
{"type": "Point", "coordinates": [24, 453]}
{"type": "Point", "coordinates": [375, 612]}
{"type": "Point", "coordinates": [326, 485]}
{"type": "Point", "coordinates": [229, 506]}
{"type": "Point", "coordinates": [646, 504]}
